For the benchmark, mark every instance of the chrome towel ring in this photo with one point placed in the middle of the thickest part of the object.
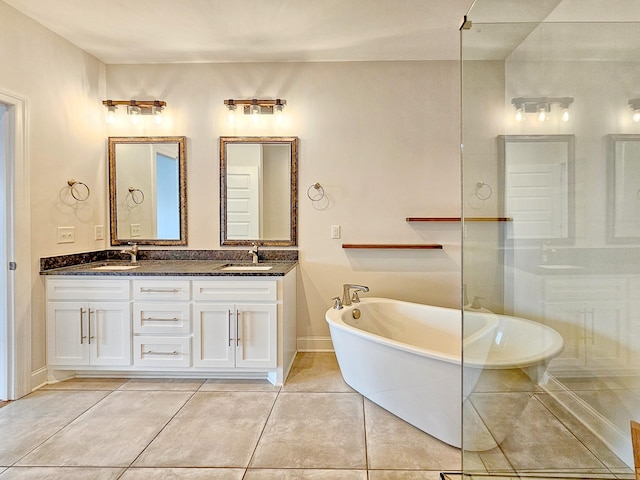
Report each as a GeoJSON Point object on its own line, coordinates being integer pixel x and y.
{"type": "Point", "coordinates": [481, 192]}
{"type": "Point", "coordinates": [319, 193]}
{"type": "Point", "coordinates": [137, 195]}
{"type": "Point", "coordinates": [79, 190]}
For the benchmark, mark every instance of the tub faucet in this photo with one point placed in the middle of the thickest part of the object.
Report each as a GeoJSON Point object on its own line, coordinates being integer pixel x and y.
{"type": "Point", "coordinates": [346, 292]}
{"type": "Point", "coordinates": [133, 251]}
{"type": "Point", "coordinates": [254, 252]}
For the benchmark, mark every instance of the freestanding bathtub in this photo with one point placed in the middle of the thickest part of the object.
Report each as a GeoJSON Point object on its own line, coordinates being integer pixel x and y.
{"type": "Point", "coordinates": [406, 357]}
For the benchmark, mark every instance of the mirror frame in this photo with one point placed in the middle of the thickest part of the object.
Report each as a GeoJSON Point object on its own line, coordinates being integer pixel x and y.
{"type": "Point", "coordinates": [292, 241]}
{"type": "Point", "coordinates": [182, 189]}
{"type": "Point", "coordinates": [612, 141]}
{"type": "Point", "coordinates": [569, 141]}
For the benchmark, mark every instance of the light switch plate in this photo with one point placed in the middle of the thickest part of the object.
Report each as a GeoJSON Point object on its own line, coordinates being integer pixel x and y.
{"type": "Point", "coordinates": [134, 229]}
{"type": "Point", "coordinates": [335, 231]}
{"type": "Point", "coordinates": [99, 232]}
{"type": "Point", "coordinates": [66, 234]}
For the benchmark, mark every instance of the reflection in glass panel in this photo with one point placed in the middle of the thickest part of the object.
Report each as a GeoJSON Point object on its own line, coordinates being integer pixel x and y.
{"type": "Point", "coordinates": [551, 413]}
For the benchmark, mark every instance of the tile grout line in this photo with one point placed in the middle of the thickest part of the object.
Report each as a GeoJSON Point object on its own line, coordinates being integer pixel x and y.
{"type": "Point", "coordinates": [255, 448]}
{"type": "Point", "coordinates": [62, 427]}
{"type": "Point", "coordinates": [159, 431]}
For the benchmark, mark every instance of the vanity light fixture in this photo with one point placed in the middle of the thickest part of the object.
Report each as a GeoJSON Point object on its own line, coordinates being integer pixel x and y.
{"type": "Point", "coordinates": [255, 107]}
{"type": "Point", "coordinates": [135, 108]}
{"type": "Point", "coordinates": [541, 106]}
{"type": "Point", "coordinates": [634, 103]}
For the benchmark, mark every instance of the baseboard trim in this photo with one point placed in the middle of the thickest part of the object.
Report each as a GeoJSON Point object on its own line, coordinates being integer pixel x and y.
{"type": "Point", "coordinates": [39, 378]}
{"type": "Point", "coordinates": [315, 344]}
{"type": "Point", "coordinates": [599, 425]}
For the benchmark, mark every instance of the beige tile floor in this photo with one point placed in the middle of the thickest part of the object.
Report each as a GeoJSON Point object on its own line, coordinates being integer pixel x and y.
{"type": "Point", "coordinates": [313, 428]}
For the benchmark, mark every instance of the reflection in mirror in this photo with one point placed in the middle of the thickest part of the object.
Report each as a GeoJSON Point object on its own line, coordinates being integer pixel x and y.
{"type": "Point", "coordinates": [258, 190]}
{"type": "Point", "coordinates": [147, 188]}
{"type": "Point", "coordinates": [624, 189]}
{"type": "Point", "coordinates": [537, 174]}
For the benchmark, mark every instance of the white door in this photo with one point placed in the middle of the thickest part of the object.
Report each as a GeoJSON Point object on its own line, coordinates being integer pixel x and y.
{"type": "Point", "coordinates": [243, 202]}
{"type": "Point", "coordinates": [67, 333]}
{"type": "Point", "coordinates": [15, 251]}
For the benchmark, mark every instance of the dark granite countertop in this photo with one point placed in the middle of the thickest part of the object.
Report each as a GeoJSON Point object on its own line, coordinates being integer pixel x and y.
{"type": "Point", "coordinates": [172, 268]}
{"type": "Point", "coordinates": [170, 263]}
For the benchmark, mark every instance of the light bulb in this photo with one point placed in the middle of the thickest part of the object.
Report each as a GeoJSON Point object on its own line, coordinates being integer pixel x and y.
{"type": "Point", "coordinates": [519, 114]}
{"type": "Point", "coordinates": [636, 115]}
{"type": "Point", "coordinates": [255, 113]}
{"type": "Point", "coordinates": [542, 113]}
{"type": "Point", "coordinates": [278, 111]}
{"type": "Point", "coordinates": [231, 114]}
{"type": "Point", "coordinates": [111, 114]}
{"type": "Point", "coordinates": [565, 114]}
{"type": "Point", "coordinates": [156, 111]}
{"type": "Point", "coordinates": [134, 111]}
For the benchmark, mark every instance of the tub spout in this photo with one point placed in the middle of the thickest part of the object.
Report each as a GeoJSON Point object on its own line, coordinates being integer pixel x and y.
{"type": "Point", "coordinates": [346, 292]}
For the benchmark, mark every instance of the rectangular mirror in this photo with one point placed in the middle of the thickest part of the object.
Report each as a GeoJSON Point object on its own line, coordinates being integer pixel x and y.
{"type": "Point", "coordinates": [148, 190]}
{"type": "Point", "coordinates": [537, 174]}
{"type": "Point", "coordinates": [623, 188]}
{"type": "Point", "coordinates": [258, 191]}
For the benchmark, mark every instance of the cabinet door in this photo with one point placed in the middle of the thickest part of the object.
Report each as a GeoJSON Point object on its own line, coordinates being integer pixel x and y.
{"type": "Point", "coordinates": [110, 333]}
{"type": "Point", "coordinates": [568, 319]}
{"type": "Point", "coordinates": [606, 339]}
{"type": "Point", "coordinates": [67, 335]}
{"type": "Point", "coordinates": [256, 341]}
{"type": "Point", "coordinates": [213, 335]}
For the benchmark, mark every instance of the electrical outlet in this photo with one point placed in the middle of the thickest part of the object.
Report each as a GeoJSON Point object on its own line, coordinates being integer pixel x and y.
{"type": "Point", "coordinates": [134, 229]}
{"type": "Point", "coordinates": [66, 234]}
{"type": "Point", "coordinates": [335, 231]}
{"type": "Point", "coordinates": [99, 232]}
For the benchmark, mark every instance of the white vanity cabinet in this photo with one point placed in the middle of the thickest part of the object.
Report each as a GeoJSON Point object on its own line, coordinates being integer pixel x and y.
{"type": "Point", "coordinates": [161, 322]}
{"type": "Point", "coordinates": [88, 322]}
{"type": "Point", "coordinates": [241, 334]}
{"type": "Point", "coordinates": [214, 326]}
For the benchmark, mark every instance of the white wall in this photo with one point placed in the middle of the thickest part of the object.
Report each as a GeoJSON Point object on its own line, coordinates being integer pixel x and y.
{"type": "Point", "coordinates": [63, 86]}
{"type": "Point", "coordinates": [380, 137]}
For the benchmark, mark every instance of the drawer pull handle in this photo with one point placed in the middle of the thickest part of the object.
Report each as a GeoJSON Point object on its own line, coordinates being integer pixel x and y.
{"type": "Point", "coordinates": [151, 352]}
{"type": "Point", "coordinates": [154, 319]}
{"type": "Point", "coordinates": [82, 335]}
{"type": "Point", "coordinates": [237, 327]}
{"type": "Point", "coordinates": [160, 290]}
{"type": "Point", "coordinates": [229, 323]}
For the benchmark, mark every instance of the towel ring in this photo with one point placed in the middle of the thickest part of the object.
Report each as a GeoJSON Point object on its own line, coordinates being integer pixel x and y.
{"type": "Point", "coordinates": [78, 194]}
{"type": "Point", "coordinates": [478, 191]}
{"type": "Point", "coordinates": [319, 191]}
{"type": "Point", "coordinates": [140, 199]}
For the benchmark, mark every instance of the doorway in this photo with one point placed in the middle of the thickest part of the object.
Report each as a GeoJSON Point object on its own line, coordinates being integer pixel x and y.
{"type": "Point", "coordinates": [15, 251]}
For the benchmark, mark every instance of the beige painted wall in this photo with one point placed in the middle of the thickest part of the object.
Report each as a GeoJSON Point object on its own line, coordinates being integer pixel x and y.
{"type": "Point", "coordinates": [63, 87]}
{"type": "Point", "coordinates": [380, 137]}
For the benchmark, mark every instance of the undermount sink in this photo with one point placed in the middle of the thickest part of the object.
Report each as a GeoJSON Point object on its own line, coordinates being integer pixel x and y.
{"type": "Point", "coordinates": [246, 268]}
{"type": "Point", "coordinates": [560, 267]}
{"type": "Point", "coordinates": [115, 268]}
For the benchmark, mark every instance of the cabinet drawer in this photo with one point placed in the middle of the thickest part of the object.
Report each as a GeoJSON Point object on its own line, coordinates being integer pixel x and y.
{"type": "Point", "coordinates": [162, 351]}
{"type": "Point", "coordinates": [161, 290]}
{"type": "Point", "coordinates": [157, 317]}
{"type": "Point", "coordinates": [576, 289]}
{"type": "Point", "coordinates": [87, 289]}
{"type": "Point", "coordinates": [235, 290]}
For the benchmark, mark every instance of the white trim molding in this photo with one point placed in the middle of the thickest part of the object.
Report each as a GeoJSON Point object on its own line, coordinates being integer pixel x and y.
{"type": "Point", "coordinates": [315, 344]}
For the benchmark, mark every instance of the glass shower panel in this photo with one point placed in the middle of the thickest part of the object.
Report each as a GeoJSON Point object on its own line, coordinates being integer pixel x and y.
{"type": "Point", "coordinates": [551, 247]}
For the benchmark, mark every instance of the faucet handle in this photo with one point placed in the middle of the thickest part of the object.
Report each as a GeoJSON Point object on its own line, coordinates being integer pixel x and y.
{"type": "Point", "coordinates": [337, 303]}
{"type": "Point", "coordinates": [355, 298]}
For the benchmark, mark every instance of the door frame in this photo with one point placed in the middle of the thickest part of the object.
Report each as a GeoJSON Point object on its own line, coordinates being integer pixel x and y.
{"type": "Point", "coordinates": [15, 321]}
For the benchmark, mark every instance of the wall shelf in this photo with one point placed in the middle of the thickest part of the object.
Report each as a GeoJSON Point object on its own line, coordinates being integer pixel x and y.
{"type": "Point", "coordinates": [458, 219]}
{"type": "Point", "coordinates": [398, 246]}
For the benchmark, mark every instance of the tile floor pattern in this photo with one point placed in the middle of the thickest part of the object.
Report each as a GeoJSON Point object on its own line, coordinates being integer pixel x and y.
{"type": "Point", "coordinates": [313, 428]}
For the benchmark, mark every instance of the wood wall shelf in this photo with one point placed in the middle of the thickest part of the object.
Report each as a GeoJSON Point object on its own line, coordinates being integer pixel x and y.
{"type": "Point", "coordinates": [398, 246]}
{"type": "Point", "coordinates": [458, 219]}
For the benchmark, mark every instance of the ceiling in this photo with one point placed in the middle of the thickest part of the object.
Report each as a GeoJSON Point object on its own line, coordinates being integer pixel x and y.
{"type": "Point", "coordinates": [195, 31]}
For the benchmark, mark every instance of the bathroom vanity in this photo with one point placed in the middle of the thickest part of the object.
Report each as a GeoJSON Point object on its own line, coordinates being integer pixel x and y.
{"type": "Point", "coordinates": [191, 318]}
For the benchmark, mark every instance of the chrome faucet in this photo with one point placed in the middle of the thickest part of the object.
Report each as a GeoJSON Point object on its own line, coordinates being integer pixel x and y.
{"type": "Point", "coordinates": [254, 252]}
{"type": "Point", "coordinates": [133, 251]}
{"type": "Point", "coordinates": [346, 293]}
